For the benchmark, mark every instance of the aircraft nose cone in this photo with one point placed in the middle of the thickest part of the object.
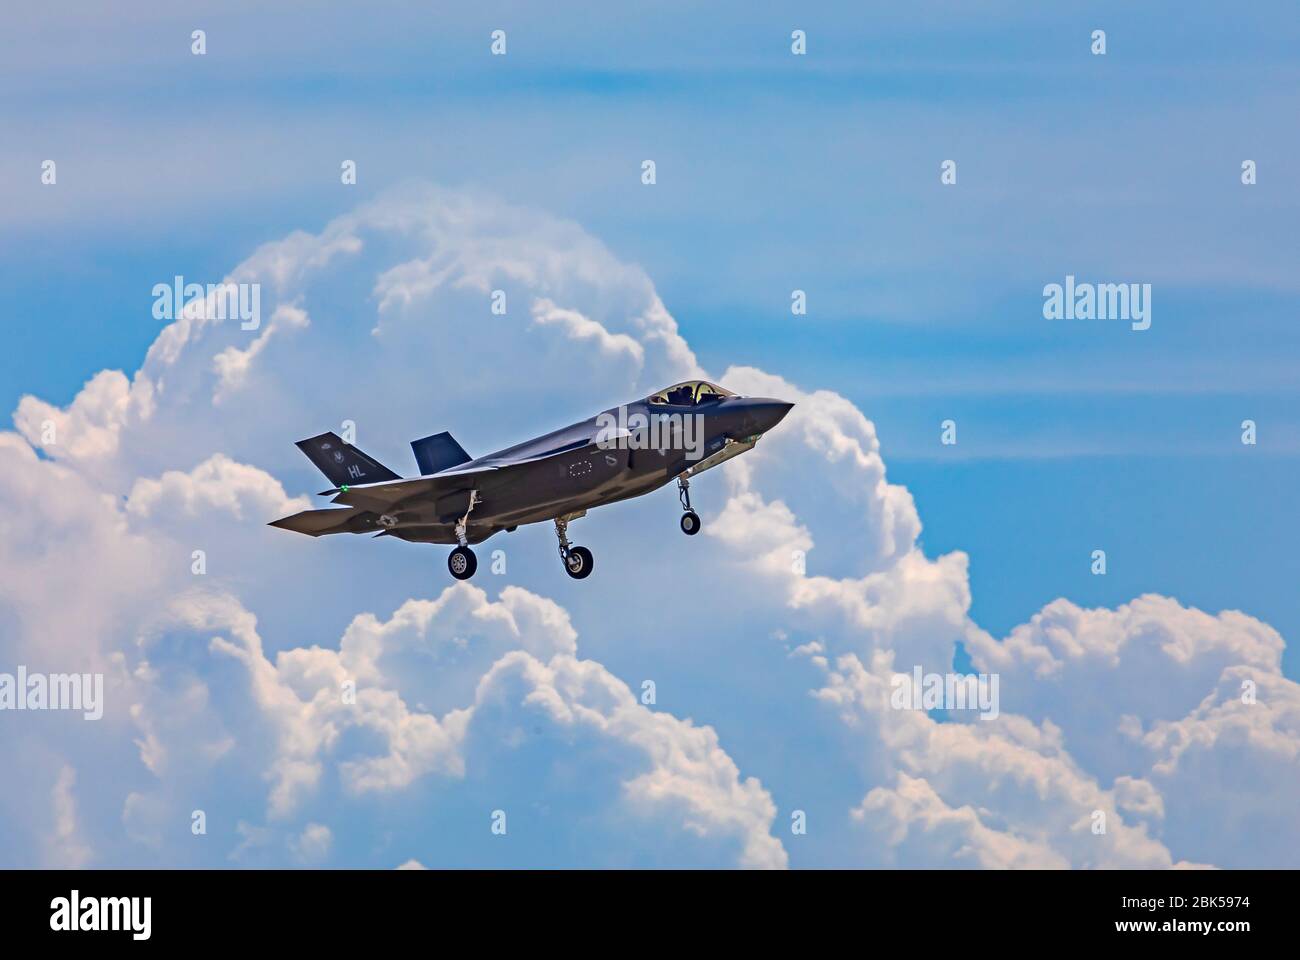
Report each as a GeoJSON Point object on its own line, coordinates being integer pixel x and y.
{"type": "Point", "coordinates": [768, 413]}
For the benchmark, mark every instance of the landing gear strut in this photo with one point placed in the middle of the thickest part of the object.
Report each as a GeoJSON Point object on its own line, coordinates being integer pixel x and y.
{"type": "Point", "coordinates": [461, 562]}
{"type": "Point", "coordinates": [578, 561]}
{"type": "Point", "coordinates": [690, 519]}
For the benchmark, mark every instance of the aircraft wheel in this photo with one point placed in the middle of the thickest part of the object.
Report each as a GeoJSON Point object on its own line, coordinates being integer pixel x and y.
{"type": "Point", "coordinates": [690, 523]}
{"type": "Point", "coordinates": [578, 563]}
{"type": "Point", "coordinates": [462, 563]}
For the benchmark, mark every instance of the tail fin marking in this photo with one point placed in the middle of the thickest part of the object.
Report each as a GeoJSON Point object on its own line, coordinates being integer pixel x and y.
{"type": "Point", "coordinates": [342, 463]}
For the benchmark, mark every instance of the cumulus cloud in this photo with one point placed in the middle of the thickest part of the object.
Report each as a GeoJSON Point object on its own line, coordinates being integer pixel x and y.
{"type": "Point", "coordinates": [519, 656]}
{"type": "Point", "coordinates": [1232, 761]}
{"type": "Point", "coordinates": [1007, 777]}
{"type": "Point", "coordinates": [681, 773]}
{"type": "Point", "coordinates": [911, 825]}
{"type": "Point", "coordinates": [1090, 671]}
{"type": "Point", "coordinates": [89, 427]}
{"type": "Point", "coordinates": [612, 346]}
{"type": "Point", "coordinates": [900, 600]}
{"type": "Point", "coordinates": [326, 722]}
{"type": "Point", "coordinates": [232, 364]}
{"type": "Point", "coordinates": [74, 569]}
{"type": "Point", "coordinates": [216, 484]}
{"type": "Point", "coordinates": [1075, 742]}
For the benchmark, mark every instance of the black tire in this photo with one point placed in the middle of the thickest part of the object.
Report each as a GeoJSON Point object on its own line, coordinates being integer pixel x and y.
{"type": "Point", "coordinates": [462, 563]}
{"type": "Point", "coordinates": [578, 563]}
{"type": "Point", "coordinates": [690, 523]}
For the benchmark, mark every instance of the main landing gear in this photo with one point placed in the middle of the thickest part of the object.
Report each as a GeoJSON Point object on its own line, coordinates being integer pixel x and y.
{"type": "Point", "coordinates": [578, 561]}
{"type": "Point", "coordinates": [461, 562]}
{"type": "Point", "coordinates": [690, 519]}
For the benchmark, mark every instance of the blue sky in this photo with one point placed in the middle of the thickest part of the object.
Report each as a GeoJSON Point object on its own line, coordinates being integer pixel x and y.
{"type": "Point", "coordinates": [775, 173]}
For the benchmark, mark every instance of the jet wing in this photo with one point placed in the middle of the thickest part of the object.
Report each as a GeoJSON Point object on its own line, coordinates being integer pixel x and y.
{"type": "Point", "coordinates": [318, 523]}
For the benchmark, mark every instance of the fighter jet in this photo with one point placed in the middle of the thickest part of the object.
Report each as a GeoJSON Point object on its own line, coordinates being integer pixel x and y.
{"type": "Point", "coordinates": [623, 452]}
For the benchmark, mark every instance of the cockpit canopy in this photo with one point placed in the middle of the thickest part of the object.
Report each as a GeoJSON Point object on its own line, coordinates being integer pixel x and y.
{"type": "Point", "coordinates": [689, 393]}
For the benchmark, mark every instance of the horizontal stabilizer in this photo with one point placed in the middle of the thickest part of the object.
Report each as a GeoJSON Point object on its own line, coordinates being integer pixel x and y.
{"type": "Point", "coordinates": [316, 523]}
{"type": "Point", "coordinates": [438, 452]}
{"type": "Point", "coordinates": [342, 463]}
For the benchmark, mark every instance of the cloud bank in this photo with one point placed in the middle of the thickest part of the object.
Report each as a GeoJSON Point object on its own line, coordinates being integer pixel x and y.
{"type": "Point", "coordinates": [722, 702]}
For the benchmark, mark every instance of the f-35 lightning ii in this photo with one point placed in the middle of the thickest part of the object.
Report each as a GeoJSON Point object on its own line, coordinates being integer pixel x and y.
{"type": "Point", "coordinates": [624, 452]}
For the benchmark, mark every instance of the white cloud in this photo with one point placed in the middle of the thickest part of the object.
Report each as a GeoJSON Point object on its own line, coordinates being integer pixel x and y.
{"type": "Point", "coordinates": [232, 365]}
{"type": "Point", "coordinates": [912, 826]}
{"type": "Point", "coordinates": [1095, 672]}
{"type": "Point", "coordinates": [218, 484]}
{"type": "Point", "coordinates": [469, 702]}
{"type": "Point", "coordinates": [312, 845]}
{"type": "Point", "coordinates": [681, 773]}
{"type": "Point", "coordinates": [612, 346]}
{"type": "Point", "coordinates": [89, 427]}
{"type": "Point", "coordinates": [1233, 762]}
{"type": "Point", "coordinates": [1007, 776]}
{"type": "Point", "coordinates": [66, 849]}
{"type": "Point", "coordinates": [73, 568]}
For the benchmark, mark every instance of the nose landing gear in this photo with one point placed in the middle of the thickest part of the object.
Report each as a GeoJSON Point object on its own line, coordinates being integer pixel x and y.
{"type": "Point", "coordinates": [690, 519]}
{"type": "Point", "coordinates": [578, 561]}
